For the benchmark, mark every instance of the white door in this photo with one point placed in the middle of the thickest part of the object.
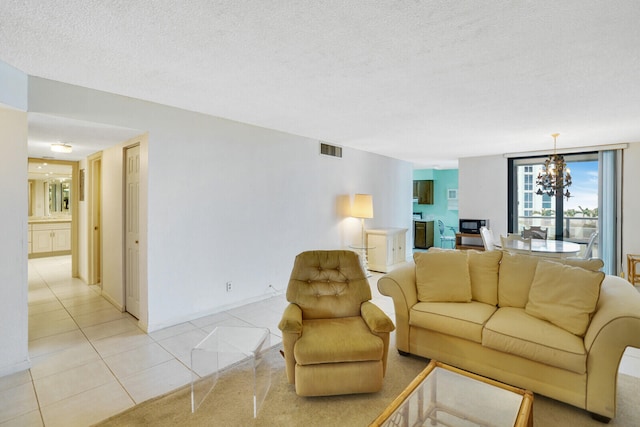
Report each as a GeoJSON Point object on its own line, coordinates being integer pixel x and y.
{"type": "Point", "coordinates": [132, 184]}
{"type": "Point", "coordinates": [95, 218]}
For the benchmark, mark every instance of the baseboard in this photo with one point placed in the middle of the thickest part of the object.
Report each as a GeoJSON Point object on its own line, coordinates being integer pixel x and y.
{"type": "Point", "coordinates": [18, 367]}
{"type": "Point", "coordinates": [152, 327]}
{"type": "Point", "coordinates": [115, 303]}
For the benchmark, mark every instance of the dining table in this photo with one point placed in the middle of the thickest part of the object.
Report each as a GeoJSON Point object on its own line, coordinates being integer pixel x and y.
{"type": "Point", "coordinates": [543, 248]}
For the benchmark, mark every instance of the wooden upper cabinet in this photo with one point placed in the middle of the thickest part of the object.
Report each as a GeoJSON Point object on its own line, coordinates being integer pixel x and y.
{"type": "Point", "coordinates": [423, 191]}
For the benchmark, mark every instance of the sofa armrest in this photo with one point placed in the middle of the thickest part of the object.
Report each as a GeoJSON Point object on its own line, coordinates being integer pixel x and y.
{"type": "Point", "coordinates": [400, 285]}
{"type": "Point", "coordinates": [375, 318]}
{"type": "Point", "coordinates": [291, 327]}
{"type": "Point", "coordinates": [614, 327]}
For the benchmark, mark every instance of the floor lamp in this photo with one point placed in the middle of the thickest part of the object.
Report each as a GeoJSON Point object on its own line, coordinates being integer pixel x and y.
{"type": "Point", "coordinates": [363, 208]}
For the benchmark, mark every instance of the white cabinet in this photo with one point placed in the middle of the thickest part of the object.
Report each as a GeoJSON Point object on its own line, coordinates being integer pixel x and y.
{"type": "Point", "coordinates": [50, 237]}
{"type": "Point", "coordinates": [387, 248]}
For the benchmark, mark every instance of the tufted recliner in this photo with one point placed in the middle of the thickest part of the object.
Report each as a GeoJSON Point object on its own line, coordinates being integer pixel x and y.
{"type": "Point", "coordinates": [335, 340]}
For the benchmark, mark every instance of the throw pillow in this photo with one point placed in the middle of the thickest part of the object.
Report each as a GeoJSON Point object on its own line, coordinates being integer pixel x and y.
{"type": "Point", "coordinates": [593, 264]}
{"type": "Point", "coordinates": [515, 277]}
{"type": "Point", "coordinates": [564, 295]}
{"type": "Point", "coordinates": [442, 276]}
{"type": "Point", "coordinates": [483, 270]}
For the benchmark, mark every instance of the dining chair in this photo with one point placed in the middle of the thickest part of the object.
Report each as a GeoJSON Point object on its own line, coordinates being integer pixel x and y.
{"type": "Point", "coordinates": [444, 238]}
{"type": "Point", "coordinates": [487, 239]}
{"type": "Point", "coordinates": [535, 232]}
{"type": "Point", "coordinates": [515, 237]}
{"type": "Point", "coordinates": [588, 252]}
{"type": "Point", "coordinates": [592, 240]}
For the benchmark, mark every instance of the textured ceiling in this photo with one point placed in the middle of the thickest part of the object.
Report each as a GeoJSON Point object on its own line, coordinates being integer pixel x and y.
{"type": "Point", "coordinates": [424, 81]}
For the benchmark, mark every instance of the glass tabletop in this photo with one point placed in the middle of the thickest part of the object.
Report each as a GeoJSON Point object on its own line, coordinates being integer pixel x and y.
{"type": "Point", "coordinates": [445, 396]}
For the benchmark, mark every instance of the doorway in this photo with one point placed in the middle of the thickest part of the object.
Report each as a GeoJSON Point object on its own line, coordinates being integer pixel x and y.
{"type": "Point", "coordinates": [53, 209]}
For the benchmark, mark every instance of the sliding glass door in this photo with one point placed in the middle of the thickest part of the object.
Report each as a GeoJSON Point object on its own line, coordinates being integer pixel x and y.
{"type": "Point", "coordinates": [574, 219]}
{"type": "Point", "coordinates": [592, 208]}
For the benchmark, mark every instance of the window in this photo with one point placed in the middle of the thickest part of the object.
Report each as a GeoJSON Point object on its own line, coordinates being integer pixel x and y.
{"type": "Point", "coordinates": [528, 204]}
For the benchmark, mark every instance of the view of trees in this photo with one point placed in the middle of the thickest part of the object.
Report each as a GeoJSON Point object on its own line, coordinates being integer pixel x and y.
{"type": "Point", "coordinates": [584, 212]}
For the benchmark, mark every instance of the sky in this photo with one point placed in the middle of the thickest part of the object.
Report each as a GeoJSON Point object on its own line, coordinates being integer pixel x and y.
{"type": "Point", "coordinates": [584, 187]}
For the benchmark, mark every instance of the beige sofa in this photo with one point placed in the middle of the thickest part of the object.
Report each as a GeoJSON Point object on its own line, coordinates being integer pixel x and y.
{"type": "Point", "coordinates": [556, 329]}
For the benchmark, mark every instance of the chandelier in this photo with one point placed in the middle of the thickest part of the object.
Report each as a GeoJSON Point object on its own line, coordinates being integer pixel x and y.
{"type": "Point", "coordinates": [555, 176]}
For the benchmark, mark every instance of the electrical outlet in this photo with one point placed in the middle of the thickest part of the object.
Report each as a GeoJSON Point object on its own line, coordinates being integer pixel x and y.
{"type": "Point", "coordinates": [228, 286]}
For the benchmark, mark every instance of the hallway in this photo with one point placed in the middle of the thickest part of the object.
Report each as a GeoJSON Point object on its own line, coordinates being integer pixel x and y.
{"type": "Point", "coordinates": [90, 361]}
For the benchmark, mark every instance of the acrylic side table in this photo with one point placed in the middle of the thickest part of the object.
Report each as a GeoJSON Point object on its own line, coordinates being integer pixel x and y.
{"type": "Point", "coordinates": [228, 346]}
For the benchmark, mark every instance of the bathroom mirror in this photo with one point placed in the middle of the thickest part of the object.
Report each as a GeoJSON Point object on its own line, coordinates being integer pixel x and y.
{"type": "Point", "coordinates": [49, 189]}
{"type": "Point", "coordinates": [59, 194]}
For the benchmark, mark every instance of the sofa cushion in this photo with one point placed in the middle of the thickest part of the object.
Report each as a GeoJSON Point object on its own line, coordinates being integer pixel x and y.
{"type": "Point", "coordinates": [512, 330]}
{"type": "Point", "coordinates": [464, 320]}
{"type": "Point", "coordinates": [515, 277]}
{"type": "Point", "coordinates": [483, 270]}
{"type": "Point", "coordinates": [346, 339]}
{"type": "Point", "coordinates": [442, 276]}
{"type": "Point", "coordinates": [564, 295]}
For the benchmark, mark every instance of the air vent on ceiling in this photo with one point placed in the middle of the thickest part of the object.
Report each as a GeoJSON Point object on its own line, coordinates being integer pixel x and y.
{"type": "Point", "coordinates": [330, 150]}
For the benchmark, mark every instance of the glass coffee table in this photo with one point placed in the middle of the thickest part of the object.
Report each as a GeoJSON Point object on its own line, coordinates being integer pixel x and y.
{"type": "Point", "coordinates": [442, 395]}
{"type": "Point", "coordinates": [231, 346]}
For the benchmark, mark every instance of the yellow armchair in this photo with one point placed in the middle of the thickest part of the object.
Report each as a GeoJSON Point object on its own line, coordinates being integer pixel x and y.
{"type": "Point", "coordinates": [335, 340]}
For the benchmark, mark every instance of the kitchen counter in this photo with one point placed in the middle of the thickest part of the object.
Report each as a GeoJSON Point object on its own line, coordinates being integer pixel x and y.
{"type": "Point", "coordinates": [46, 220]}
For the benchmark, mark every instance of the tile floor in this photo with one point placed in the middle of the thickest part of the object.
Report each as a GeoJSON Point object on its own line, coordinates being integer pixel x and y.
{"type": "Point", "coordinates": [90, 361]}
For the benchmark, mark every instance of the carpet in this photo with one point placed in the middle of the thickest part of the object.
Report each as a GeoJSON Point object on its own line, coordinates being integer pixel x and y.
{"type": "Point", "coordinates": [230, 403]}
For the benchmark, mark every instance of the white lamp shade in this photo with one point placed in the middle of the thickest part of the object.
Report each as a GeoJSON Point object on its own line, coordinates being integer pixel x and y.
{"type": "Point", "coordinates": [362, 206]}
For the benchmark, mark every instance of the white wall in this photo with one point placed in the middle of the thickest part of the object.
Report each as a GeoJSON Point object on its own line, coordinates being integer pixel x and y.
{"type": "Point", "coordinates": [482, 191]}
{"type": "Point", "coordinates": [226, 201]}
{"type": "Point", "coordinates": [630, 203]}
{"type": "Point", "coordinates": [13, 241]}
{"type": "Point", "coordinates": [241, 214]}
{"type": "Point", "coordinates": [14, 354]}
{"type": "Point", "coordinates": [13, 87]}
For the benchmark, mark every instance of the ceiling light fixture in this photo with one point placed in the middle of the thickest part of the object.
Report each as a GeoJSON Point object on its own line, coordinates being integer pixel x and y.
{"type": "Point", "coordinates": [554, 176]}
{"type": "Point", "coordinates": [61, 148]}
